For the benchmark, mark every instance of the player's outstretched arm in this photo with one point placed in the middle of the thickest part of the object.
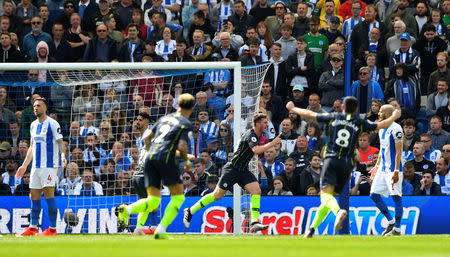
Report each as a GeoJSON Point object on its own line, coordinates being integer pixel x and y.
{"type": "Point", "coordinates": [21, 170]}
{"type": "Point", "coordinates": [259, 149]}
{"type": "Point", "coordinates": [148, 140]}
{"type": "Point", "coordinates": [302, 112]}
{"type": "Point", "coordinates": [387, 122]}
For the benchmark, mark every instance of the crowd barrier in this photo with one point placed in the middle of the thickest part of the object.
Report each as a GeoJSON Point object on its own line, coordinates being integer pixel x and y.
{"type": "Point", "coordinates": [285, 215]}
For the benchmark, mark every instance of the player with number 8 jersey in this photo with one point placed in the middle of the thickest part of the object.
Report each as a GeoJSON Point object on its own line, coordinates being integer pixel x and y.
{"type": "Point", "coordinates": [46, 149]}
{"type": "Point", "coordinates": [343, 132]}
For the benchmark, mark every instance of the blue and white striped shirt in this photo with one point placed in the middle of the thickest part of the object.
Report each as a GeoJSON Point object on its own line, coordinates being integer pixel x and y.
{"type": "Point", "coordinates": [45, 148]}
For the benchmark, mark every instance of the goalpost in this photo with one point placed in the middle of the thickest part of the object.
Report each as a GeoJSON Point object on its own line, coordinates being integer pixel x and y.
{"type": "Point", "coordinates": [78, 80]}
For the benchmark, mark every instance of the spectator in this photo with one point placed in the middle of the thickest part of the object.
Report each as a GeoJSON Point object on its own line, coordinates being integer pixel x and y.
{"type": "Point", "coordinates": [211, 183]}
{"type": "Point", "coordinates": [167, 45]}
{"type": "Point", "coordinates": [215, 100]}
{"type": "Point", "coordinates": [406, 55]}
{"type": "Point", "coordinates": [14, 137]}
{"type": "Point", "coordinates": [442, 73]}
{"type": "Point", "coordinates": [411, 176]}
{"type": "Point", "coordinates": [287, 42]}
{"type": "Point", "coordinates": [201, 174]}
{"type": "Point", "coordinates": [110, 20]}
{"type": "Point", "coordinates": [107, 177]}
{"type": "Point", "coordinates": [236, 40]}
{"type": "Point", "coordinates": [211, 168]}
{"type": "Point", "coordinates": [316, 42]}
{"type": "Point", "coordinates": [291, 176]}
{"type": "Point", "coordinates": [91, 153]}
{"type": "Point", "coordinates": [110, 103]}
{"type": "Point", "coordinates": [427, 185]}
{"type": "Point", "coordinates": [22, 152]}
{"type": "Point", "coordinates": [332, 50]}
{"type": "Point", "coordinates": [76, 140]}
{"type": "Point", "coordinates": [262, 51]}
{"type": "Point", "coordinates": [102, 47]}
{"type": "Point", "coordinates": [64, 18]}
{"type": "Point", "coordinates": [312, 133]}
{"type": "Point", "coordinates": [9, 53]}
{"type": "Point", "coordinates": [438, 98]}
{"type": "Point", "coordinates": [87, 10]}
{"type": "Point", "coordinates": [187, 17]}
{"type": "Point", "coordinates": [393, 42]}
{"type": "Point", "coordinates": [133, 49]}
{"type": "Point", "coordinates": [59, 48]}
{"type": "Point", "coordinates": [374, 110]}
{"type": "Point", "coordinates": [9, 176]}
{"type": "Point", "coordinates": [201, 103]}
{"type": "Point", "coordinates": [331, 83]}
{"type": "Point", "coordinates": [444, 113]}
{"type": "Point", "coordinates": [402, 12]}
{"type": "Point", "coordinates": [288, 136]}
{"type": "Point", "coordinates": [137, 17]}
{"type": "Point", "coordinates": [274, 22]}
{"type": "Point", "coordinates": [261, 11]}
{"type": "Point", "coordinates": [420, 163]}
{"type": "Point", "coordinates": [125, 9]}
{"type": "Point", "coordinates": [276, 73]}
{"type": "Point", "coordinates": [439, 136]}
{"type": "Point", "coordinates": [225, 49]}
{"type": "Point", "coordinates": [240, 19]}
{"type": "Point", "coordinates": [150, 51]}
{"type": "Point", "coordinates": [436, 20]}
{"type": "Point", "coordinates": [190, 185]}
{"type": "Point", "coordinates": [366, 151]}
{"type": "Point", "coordinates": [404, 88]}
{"type": "Point", "coordinates": [264, 34]}
{"type": "Point", "coordinates": [298, 97]}
{"type": "Point", "coordinates": [88, 187]}
{"type": "Point", "coordinates": [274, 103]}
{"type": "Point", "coordinates": [199, 50]}
{"type": "Point", "coordinates": [218, 81]}
{"type": "Point", "coordinates": [301, 154]}
{"type": "Point", "coordinates": [269, 161]}
{"type": "Point", "coordinates": [4, 24]}
{"type": "Point", "coordinates": [88, 102]}
{"type": "Point", "coordinates": [359, 36]}
{"type": "Point", "coordinates": [352, 8]}
{"type": "Point", "coordinates": [5, 190]}
{"type": "Point", "coordinates": [320, 6]}
{"type": "Point", "coordinates": [326, 16]}
{"type": "Point", "coordinates": [289, 19]}
{"type": "Point", "coordinates": [23, 189]}
{"type": "Point", "coordinates": [376, 68]}
{"type": "Point", "coordinates": [300, 66]}
{"type": "Point", "coordinates": [31, 40]}
{"type": "Point", "coordinates": [14, 20]}
{"type": "Point", "coordinates": [42, 53]}
{"type": "Point", "coordinates": [333, 31]}
{"type": "Point", "coordinates": [409, 130]}
{"type": "Point", "coordinates": [366, 90]}
{"type": "Point", "coordinates": [251, 58]}
{"type": "Point", "coordinates": [88, 125]}
{"type": "Point", "coordinates": [165, 107]}
{"type": "Point", "coordinates": [123, 185]}
{"type": "Point", "coordinates": [72, 178]}
{"type": "Point", "coordinates": [121, 161]}
{"type": "Point", "coordinates": [77, 38]}
{"type": "Point", "coordinates": [428, 45]}
{"type": "Point", "coordinates": [442, 177]}
{"type": "Point", "coordinates": [118, 121]}
{"type": "Point", "coordinates": [279, 188]}
{"type": "Point", "coordinates": [311, 175]}
{"type": "Point", "coordinates": [77, 157]}
{"type": "Point", "coordinates": [206, 126]}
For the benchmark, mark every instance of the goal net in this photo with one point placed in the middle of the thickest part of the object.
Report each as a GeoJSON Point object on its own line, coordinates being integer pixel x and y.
{"type": "Point", "coordinates": [97, 106]}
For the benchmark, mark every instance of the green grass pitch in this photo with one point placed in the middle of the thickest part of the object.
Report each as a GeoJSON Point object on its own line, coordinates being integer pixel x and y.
{"type": "Point", "coordinates": [224, 245]}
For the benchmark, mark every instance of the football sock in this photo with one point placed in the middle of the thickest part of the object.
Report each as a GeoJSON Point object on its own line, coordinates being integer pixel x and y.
{"type": "Point", "coordinates": [172, 209]}
{"type": "Point", "coordinates": [398, 211]}
{"type": "Point", "coordinates": [52, 212]}
{"type": "Point", "coordinates": [254, 207]}
{"type": "Point", "coordinates": [144, 205]}
{"type": "Point", "coordinates": [331, 202]}
{"type": "Point", "coordinates": [141, 219]}
{"type": "Point", "coordinates": [321, 213]}
{"type": "Point", "coordinates": [207, 199]}
{"type": "Point", "coordinates": [35, 211]}
{"type": "Point", "coordinates": [381, 205]}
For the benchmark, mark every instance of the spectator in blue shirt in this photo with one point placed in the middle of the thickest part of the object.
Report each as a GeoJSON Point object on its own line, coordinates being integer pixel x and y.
{"type": "Point", "coordinates": [122, 162]}
{"type": "Point", "coordinates": [269, 161]}
{"type": "Point", "coordinates": [36, 35]}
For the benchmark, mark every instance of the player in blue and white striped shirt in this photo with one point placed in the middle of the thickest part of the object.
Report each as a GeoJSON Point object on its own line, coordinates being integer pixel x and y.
{"type": "Point", "coordinates": [45, 150]}
{"type": "Point", "coordinates": [388, 173]}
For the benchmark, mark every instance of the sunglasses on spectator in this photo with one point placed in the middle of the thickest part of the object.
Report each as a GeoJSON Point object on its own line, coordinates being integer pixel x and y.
{"type": "Point", "coordinates": [69, 6]}
{"type": "Point", "coordinates": [446, 150]}
{"type": "Point", "coordinates": [101, 30]}
{"type": "Point", "coordinates": [105, 128]}
{"type": "Point", "coordinates": [197, 166]}
{"type": "Point", "coordinates": [186, 178]}
{"type": "Point", "coordinates": [32, 74]}
{"type": "Point", "coordinates": [35, 22]}
{"type": "Point", "coordinates": [363, 73]}
{"type": "Point", "coordinates": [279, 7]}
{"type": "Point", "coordinates": [223, 130]}
{"type": "Point", "coordinates": [335, 60]}
{"type": "Point", "coordinates": [339, 44]}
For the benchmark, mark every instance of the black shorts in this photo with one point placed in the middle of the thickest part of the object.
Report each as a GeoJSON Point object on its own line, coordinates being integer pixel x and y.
{"type": "Point", "coordinates": [139, 185]}
{"type": "Point", "coordinates": [335, 172]}
{"type": "Point", "coordinates": [157, 172]}
{"type": "Point", "coordinates": [231, 176]}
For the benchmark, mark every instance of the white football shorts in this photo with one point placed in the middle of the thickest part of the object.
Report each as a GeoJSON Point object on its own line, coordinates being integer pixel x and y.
{"type": "Point", "coordinates": [382, 184]}
{"type": "Point", "coordinates": [43, 177]}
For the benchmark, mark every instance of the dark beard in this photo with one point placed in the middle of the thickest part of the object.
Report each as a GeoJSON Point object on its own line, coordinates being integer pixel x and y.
{"type": "Point", "coordinates": [402, 8]}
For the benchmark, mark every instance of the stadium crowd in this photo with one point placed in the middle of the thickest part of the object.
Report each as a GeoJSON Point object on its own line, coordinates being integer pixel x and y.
{"type": "Point", "coordinates": [399, 55]}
